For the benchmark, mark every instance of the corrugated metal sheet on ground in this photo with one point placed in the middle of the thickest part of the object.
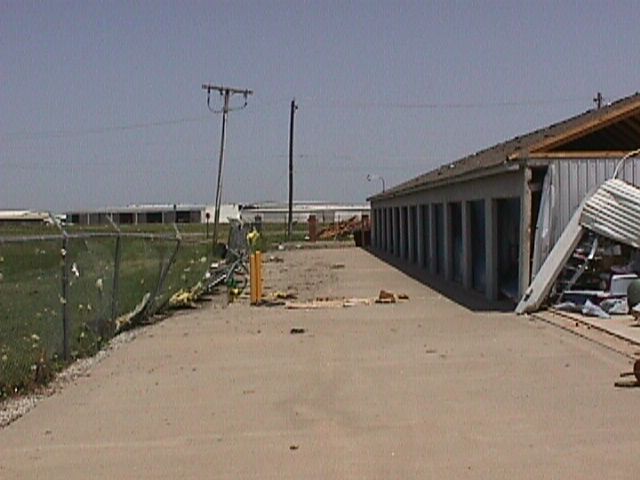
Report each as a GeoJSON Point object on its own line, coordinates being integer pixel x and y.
{"type": "Point", "coordinates": [614, 211]}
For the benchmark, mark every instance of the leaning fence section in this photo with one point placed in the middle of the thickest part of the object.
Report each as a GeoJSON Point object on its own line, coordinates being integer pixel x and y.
{"type": "Point", "coordinates": [65, 293]}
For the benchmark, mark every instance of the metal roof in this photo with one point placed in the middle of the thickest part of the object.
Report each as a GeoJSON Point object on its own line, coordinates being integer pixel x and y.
{"type": "Point", "coordinates": [614, 211]}
{"type": "Point", "coordinates": [614, 127]}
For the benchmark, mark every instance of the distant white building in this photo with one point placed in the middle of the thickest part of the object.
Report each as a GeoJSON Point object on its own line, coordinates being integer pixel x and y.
{"type": "Point", "coordinates": [143, 214]}
{"type": "Point", "coordinates": [24, 216]}
{"type": "Point", "coordinates": [268, 212]}
{"type": "Point", "coordinates": [271, 212]}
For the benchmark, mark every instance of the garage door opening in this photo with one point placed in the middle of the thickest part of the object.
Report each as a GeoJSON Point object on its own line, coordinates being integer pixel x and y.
{"type": "Point", "coordinates": [455, 209]}
{"type": "Point", "coordinates": [478, 246]}
{"type": "Point", "coordinates": [508, 247]}
{"type": "Point", "coordinates": [438, 213]}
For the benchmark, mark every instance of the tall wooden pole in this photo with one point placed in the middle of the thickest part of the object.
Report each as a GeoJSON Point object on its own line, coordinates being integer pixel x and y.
{"type": "Point", "coordinates": [290, 219]}
{"type": "Point", "coordinates": [216, 213]}
{"type": "Point", "coordinates": [227, 93]}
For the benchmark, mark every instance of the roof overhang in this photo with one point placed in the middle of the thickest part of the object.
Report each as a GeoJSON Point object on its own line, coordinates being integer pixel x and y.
{"type": "Point", "coordinates": [502, 168]}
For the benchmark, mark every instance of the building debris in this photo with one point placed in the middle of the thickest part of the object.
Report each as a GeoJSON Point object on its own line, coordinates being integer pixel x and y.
{"type": "Point", "coordinates": [135, 317]}
{"type": "Point", "coordinates": [342, 229]}
{"type": "Point", "coordinates": [327, 302]}
{"type": "Point", "coordinates": [596, 257]}
{"type": "Point", "coordinates": [635, 373]}
{"type": "Point", "coordinates": [186, 298]}
{"type": "Point", "coordinates": [390, 297]}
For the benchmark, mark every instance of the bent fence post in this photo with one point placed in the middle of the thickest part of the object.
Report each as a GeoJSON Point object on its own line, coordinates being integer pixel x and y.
{"type": "Point", "coordinates": [164, 273]}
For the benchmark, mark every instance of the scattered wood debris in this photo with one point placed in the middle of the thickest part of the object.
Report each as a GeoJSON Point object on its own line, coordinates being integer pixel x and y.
{"type": "Point", "coordinates": [341, 229]}
{"type": "Point", "coordinates": [635, 373]}
{"type": "Point", "coordinates": [389, 297]}
{"type": "Point", "coordinates": [328, 302]}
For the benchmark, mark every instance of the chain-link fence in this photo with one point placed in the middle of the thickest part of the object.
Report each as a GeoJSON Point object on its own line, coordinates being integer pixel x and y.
{"type": "Point", "coordinates": [63, 294]}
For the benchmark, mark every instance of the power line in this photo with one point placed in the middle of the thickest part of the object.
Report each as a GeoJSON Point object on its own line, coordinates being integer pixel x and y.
{"type": "Point", "coordinates": [442, 106]}
{"type": "Point", "coordinates": [313, 103]}
{"type": "Point", "coordinates": [100, 130]}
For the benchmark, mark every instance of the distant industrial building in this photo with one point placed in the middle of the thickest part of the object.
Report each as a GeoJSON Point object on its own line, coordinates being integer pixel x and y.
{"type": "Point", "coordinates": [144, 214]}
{"type": "Point", "coordinates": [264, 212]}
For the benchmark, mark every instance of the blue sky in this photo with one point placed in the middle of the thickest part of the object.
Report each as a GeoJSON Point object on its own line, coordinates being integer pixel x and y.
{"type": "Point", "coordinates": [102, 102]}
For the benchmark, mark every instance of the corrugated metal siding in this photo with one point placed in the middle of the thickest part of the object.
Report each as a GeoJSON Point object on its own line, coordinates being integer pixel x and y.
{"type": "Point", "coordinates": [577, 177]}
{"type": "Point", "coordinates": [614, 211]}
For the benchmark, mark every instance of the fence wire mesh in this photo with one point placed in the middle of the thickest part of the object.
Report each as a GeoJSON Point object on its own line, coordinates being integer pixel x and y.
{"type": "Point", "coordinates": [63, 294]}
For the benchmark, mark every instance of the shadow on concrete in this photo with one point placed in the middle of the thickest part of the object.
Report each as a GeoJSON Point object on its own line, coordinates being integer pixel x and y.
{"type": "Point", "coordinates": [470, 299]}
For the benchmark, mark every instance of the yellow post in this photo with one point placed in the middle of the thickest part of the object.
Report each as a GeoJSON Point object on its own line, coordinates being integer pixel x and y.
{"type": "Point", "coordinates": [253, 286]}
{"type": "Point", "coordinates": [259, 276]}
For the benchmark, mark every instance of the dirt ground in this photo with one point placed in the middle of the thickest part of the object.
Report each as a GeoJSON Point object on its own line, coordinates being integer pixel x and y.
{"type": "Point", "coordinates": [420, 389]}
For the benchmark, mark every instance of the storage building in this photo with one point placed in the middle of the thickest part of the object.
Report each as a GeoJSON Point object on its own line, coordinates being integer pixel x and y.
{"type": "Point", "coordinates": [488, 220]}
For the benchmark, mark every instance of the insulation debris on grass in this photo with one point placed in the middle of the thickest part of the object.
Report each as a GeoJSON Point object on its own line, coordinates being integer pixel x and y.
{"type": "Point", "coordinates": [186, 298]}
{"type": "Point", "coordinates": [134, 317]}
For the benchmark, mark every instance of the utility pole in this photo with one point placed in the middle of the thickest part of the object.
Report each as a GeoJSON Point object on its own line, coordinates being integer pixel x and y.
{"type": "Point", "coordinates": [598, 100]}
{"type": "Point", "coordinates": [294, 107]}
{"type": "Point", "coordinates": [226, 93]}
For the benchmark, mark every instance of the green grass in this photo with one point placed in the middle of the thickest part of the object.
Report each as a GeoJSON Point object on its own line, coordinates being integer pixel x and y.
{"type": "Point", "coordinates": [31, 295]}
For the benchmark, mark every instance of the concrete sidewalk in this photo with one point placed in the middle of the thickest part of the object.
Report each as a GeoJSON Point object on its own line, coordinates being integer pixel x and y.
{"type": "Point", "coordinates": [421, 389]}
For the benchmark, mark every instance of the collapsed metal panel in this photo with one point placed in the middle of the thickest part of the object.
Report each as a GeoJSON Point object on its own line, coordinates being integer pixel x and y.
{"type": "Point", "coordinates": [614, 212]}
